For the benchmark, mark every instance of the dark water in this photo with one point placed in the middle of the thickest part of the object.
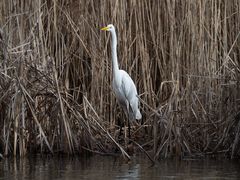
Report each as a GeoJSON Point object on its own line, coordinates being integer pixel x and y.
{"type": "Point", "coordinates": [105, 168]}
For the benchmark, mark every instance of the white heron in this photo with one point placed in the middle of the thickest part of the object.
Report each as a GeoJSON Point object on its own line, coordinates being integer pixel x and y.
{"type": "Point", "coordinates": [123, 85]}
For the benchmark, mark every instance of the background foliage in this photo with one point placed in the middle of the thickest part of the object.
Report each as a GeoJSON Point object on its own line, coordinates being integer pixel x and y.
{"type": "Point", "coordinates": [55, 75]}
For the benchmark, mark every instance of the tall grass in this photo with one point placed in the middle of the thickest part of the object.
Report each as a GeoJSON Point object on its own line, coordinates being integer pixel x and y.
{"type": "Point", "coordinates": [55, 75]}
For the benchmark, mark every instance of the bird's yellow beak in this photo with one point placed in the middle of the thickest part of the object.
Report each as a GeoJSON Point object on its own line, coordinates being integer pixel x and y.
{"type": "Point", "coordinates": [104, 28]}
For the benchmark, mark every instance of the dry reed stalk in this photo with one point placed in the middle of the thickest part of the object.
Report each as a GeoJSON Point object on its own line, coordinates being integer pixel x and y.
{"type": "Point", "coordinates": [55, 75]}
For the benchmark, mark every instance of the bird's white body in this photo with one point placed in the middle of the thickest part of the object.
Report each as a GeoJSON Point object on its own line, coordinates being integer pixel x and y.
{"type": "Point", "coordinates": [123, 85]}
{"type": "Point", "coordinates": [126, 93]}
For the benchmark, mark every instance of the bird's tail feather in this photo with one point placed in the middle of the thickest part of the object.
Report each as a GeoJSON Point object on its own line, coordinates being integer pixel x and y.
{"type": "Point", "coordinates": [138, 115]}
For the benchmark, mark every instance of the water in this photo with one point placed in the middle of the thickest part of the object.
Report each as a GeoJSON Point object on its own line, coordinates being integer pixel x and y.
{"type": "Point", "coordinates": [106, 168]}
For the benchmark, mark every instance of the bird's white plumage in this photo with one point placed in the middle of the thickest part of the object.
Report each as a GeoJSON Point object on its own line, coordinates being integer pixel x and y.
{"type": "Point", "coordinates": [126, 93]}
{"type": "Point", "coordinates": [123, 85]}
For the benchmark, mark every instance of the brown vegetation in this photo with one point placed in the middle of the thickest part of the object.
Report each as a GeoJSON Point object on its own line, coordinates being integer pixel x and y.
{"type": "Point", "coordinates": [55, 75]}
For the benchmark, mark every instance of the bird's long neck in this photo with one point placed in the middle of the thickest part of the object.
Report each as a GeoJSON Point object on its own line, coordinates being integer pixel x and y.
{"type": "Point", "coordinates": [114, 53]}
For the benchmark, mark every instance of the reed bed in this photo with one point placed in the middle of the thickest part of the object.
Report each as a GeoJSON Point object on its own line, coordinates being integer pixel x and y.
{"type": "Point", "coordinates": [55, 76]}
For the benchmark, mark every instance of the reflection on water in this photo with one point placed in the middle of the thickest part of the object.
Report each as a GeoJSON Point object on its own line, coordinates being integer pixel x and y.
{"type": "Point", "coordinates": [105, 167]}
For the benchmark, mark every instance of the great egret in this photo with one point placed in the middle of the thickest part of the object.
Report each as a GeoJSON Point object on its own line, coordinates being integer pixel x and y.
{"type": "Point", "coordinates": [123, 85]}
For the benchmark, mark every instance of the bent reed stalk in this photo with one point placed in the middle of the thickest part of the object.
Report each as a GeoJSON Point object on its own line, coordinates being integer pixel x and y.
{"type": "Point", "coordinates": [55, 76]}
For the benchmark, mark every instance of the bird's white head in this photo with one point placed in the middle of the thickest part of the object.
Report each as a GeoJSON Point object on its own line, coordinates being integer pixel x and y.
{"type": "Point", "coordinates": [109, 27]}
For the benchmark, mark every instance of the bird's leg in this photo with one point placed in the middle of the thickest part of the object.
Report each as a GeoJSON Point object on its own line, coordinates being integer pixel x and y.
{"type": "Point", "coordinates": [129, 128]}
{"type": "Point", "coordinates": [125, 133]}
{"type": "Point", "coordinates": [120, 131]}
{"type": "Point", "coordinates": [126, 124]}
